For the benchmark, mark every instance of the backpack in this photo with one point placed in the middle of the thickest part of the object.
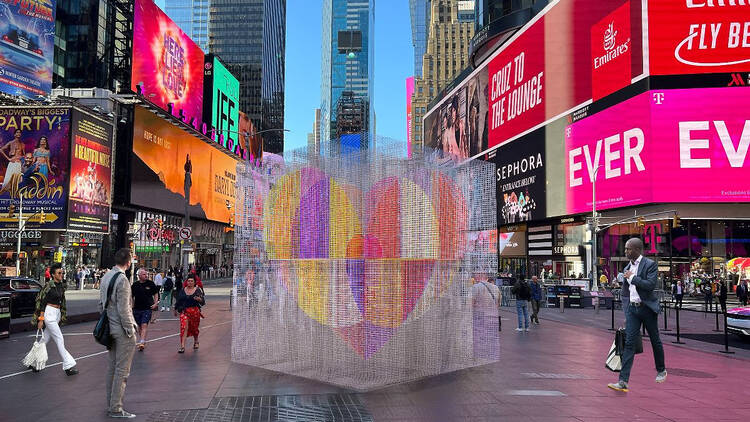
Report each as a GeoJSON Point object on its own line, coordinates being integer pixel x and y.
{"type": "Point", "coordinates": [523, 291]}
{"type": "Point", "coordinates": [168, 285]}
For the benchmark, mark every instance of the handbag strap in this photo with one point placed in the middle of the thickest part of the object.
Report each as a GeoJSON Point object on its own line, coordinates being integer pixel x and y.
{"type": "Point", "coordinates": [38, 333]}
{"type": "Point", "coordinates": [109, 288]}
{"type": "Point", "coordinates": [488, 289]}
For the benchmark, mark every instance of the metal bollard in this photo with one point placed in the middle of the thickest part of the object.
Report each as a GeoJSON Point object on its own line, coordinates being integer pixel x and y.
{"type": "Point", "coordinates": [612, 328]}
{"type": "Point", "coordinates": [677, 316]}
{"type": "Point", "coordinates": [666, 316]}
{"type": "Point", "coordinates": [562, 304]}
{"type": "Point", "coordinates": [726, 338]}
{"type": "Point", "coordinates": [716, 330]}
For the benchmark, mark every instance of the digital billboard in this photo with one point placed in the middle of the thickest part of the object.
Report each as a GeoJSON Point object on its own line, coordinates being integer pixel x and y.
{"type": "Point", "coordinates": [27, 46]}
{"type": "Point", "coordinates": [90, 173]}
{"type": "Point", "coordinates": [521, 179]}
{"type": "Point", "coordinates": [221, 93]}
{"type": "Point", "coordinates": [170, 166]}
{"type": "Point", "coordinates": [167, 63]}
{"type": "Point", "coordinates": [253, 144]}
{"type": "Point", "coordinates": [574, 51]}
{"type": "Point", "coordinates": [698, 36]}
{"type": "Point", "coordinates": [34, 162]}
{"type": "Point", "coordinates": [409, 93]}
{"type": "Point", "coordinates": [683, 145]}
{"type": "Point", "coordinates": [512, 243]}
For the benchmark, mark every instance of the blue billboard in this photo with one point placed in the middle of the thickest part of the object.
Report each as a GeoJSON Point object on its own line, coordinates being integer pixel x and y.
{"type": "Point", "coordinates": [27, 46]}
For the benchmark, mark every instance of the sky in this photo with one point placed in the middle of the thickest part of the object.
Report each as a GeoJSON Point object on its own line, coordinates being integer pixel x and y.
{"type": "Point", "coordinates": [394, 62]}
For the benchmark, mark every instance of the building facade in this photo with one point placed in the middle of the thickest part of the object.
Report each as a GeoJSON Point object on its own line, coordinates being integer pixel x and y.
{"type": "Point", "coordinates": [347, 60]}
{"type": "Point", "coordinates": [446, 56]}
{"type": "Point", "coordinates": [192, 17]}
{"type": "Point", "coordinates": [250, 36]}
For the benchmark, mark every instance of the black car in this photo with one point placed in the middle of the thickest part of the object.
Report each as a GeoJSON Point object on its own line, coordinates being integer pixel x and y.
{"type": "Point", "coordinates": [23, 293]}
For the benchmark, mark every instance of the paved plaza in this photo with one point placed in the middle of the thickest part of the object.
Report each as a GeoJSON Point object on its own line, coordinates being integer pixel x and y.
{"type": "Point", "coordinates": [555, 372]}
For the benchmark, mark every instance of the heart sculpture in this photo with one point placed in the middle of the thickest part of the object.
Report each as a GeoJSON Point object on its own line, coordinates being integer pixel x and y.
{"type": "Point", "coordinates": [364, 263]}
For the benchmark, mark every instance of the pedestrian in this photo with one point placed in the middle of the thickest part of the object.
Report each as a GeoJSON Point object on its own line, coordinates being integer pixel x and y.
{"type": "Point", "coordinates": [723, 296]}
{"type": "Point", "coordinates": [679, 292]}
{"type": "Point", "coordinates": [50, 313]}
{"type": "Point", "coordinates": [122, 330]}
{"type": "Point", "coordinates": [742, 292]}
{"type": "Point", "coordinates": [536, 299]}
{"type": "Point", "coordinates": [707, 295]}
{"type": "Point", "coordinates": [523, 294]}
{"type": "Point", "coordinates": [188, 306]}
{"type": "Point", "coordinates": [177, 286]}
{"type": "Point", "coordinates": [485, 307]}
{"type": "Point", "coordinates": [641, 307]}
{"type": "Point", "coordinates": [159, 279]}
{"type": "Point", "coordinates": [166, 291]}
{"type": "Point", "coordinates": [196, 278]}
{"type": "Point", "coordinates": [145, 300]}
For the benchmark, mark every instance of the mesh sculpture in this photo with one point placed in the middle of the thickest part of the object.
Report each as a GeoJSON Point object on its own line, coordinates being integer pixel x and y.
{"type": "Point", "coordinates": [353, 267]}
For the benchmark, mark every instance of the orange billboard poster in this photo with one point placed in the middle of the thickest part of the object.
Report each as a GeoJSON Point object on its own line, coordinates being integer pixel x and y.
{"type": "Point", "coordinates": [171, 168]}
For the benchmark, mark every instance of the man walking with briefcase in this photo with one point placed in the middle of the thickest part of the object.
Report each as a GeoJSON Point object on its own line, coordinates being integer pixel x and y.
{"type": "Point", "coordinates": [641, 307]}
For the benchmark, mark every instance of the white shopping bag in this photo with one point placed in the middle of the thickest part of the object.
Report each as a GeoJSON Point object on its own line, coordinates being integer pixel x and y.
{"type": "Point", "coordinates": [614, 361]}
{"type": "Point", "coordinates": [36, 359]}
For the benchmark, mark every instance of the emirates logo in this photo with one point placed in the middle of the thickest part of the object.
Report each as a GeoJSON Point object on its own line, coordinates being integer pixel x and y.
{"type": "Point", "coordinates": [609, 37]}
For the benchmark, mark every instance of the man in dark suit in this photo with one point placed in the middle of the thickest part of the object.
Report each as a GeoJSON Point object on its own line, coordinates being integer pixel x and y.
{"type": "Point", "coordinates": [641, 306]}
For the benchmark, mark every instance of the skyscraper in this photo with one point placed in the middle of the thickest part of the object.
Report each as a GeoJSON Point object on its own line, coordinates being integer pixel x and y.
{"type": "Point", "coordinates": [450, 31]}
{"type": "Point", "coordinates": [347, 61]}
{"type": "Point", "coordinates": [250, 36]}
{"type": "Point", "coordinates": [192, 17]}
{"type": "Point", "coordinates": [419, 10]}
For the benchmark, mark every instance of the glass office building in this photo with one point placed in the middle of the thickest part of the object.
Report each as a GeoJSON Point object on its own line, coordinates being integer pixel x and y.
{"type": "Point", "coordinates": [347, 61]}
{"type": "Point", "coordinates": [250, 37]}
{"type": "Point", "coordinates": [419, 11]}
{"type": "Point", "coordinates": [192, 17]}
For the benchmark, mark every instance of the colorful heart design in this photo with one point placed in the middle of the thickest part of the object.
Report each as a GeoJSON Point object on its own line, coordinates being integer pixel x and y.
{"type": "Point", "coordinates": [363, 263]}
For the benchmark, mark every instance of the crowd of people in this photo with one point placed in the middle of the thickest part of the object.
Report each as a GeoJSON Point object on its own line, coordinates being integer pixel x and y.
{"type": "Point", "coordinates": [130, 309]}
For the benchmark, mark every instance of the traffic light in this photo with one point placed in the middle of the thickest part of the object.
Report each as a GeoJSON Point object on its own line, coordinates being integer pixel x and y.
{"type": "Point", "coordinates": [676, 221]}
{"type": "Point", "coordinates": [641, 222]}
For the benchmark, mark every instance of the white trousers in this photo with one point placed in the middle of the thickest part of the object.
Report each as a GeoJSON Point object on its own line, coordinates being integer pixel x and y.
{"type": "Point", "coordinates": [52, 330]}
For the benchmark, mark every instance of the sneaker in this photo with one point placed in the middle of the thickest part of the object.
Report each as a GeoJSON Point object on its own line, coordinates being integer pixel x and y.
{"type": "Point", "coordinates": [526, 329]}
{"type": "Point", "coordinates": [661, 376]}
{"type": "Point", "coordinates": [167, 308]}
{"type": "Point", "coordinates": [71, 371]}
{"type": "Point", "coordinates": [619, 386]}
{"type": "Point", "coordinates": [121, 414]}
{"type": "Point", "coordinates": [519, 329]}
{"type": "Point", "coordinates": [162, 309]}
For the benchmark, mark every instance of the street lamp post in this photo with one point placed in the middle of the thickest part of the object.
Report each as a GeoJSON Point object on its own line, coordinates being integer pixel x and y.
{"type": "Point", "coordinates": [594, 228]}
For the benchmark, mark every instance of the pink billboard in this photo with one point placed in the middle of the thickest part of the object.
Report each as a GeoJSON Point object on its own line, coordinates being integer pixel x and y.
{"type": "Point", "coordinates": [686, 145]}
{"type": "Point", "coordinates": [409, 93]}
{"type": "Point", "coordinates": [167, 63]}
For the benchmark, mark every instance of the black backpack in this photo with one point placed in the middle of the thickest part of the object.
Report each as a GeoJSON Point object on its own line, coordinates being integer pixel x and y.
{"type": "Point", "coordinates": [168, 284]}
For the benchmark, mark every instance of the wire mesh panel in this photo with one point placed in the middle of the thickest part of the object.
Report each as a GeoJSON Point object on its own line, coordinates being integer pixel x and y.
{"type": "Point", "coordinates": [352, 267]}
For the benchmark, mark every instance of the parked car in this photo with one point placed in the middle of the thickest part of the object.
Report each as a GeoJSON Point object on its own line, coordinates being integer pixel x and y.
{"type": "Point", "coordinates": [23, 293]}
{"type": "Point", "coordinates": [738, 321]}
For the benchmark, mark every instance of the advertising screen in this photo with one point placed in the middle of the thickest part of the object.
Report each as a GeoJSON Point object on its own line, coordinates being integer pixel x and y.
{"type": "Point", "coordinates": [458, 127]}
{"type": "Point", "coordinates": [255, 147]}
{"type": "Point", "coordinates": [90, 174]}
{"type": "Point", "coordinates": [222, 96]}
{"type": "Point", "coordinates": [512, 243]}
{"type": "Point", "coordinates": [698, 36]}
{"type": "Point", "coordinates": [521, 179]}
{"type": "Point", "coordinates": [171, 167]}
{"type": "Point", "coordinates": [409, 93]}
{"type": "Point", "coordinates": [34, 162]}
{"type": "Point", "coordinates": [27, 46]}
{"type": "Point", "coordinates": [573, 52]}
{"type": "Point", "coordinates": [688, 145]}
{"type": "Point", "coordinates": [166, 61]}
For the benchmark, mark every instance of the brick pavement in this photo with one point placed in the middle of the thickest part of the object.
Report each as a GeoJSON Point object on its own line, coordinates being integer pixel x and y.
{"type": "Point", "coordinates": [553, 373]}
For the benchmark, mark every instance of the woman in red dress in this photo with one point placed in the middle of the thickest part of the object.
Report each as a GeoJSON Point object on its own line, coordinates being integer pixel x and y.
{"type": "Point", "coordinates": [189, 302]}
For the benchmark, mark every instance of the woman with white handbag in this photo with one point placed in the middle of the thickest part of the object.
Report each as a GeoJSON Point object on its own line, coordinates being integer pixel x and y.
{"type": "Point", "coordinates": [50, 313]}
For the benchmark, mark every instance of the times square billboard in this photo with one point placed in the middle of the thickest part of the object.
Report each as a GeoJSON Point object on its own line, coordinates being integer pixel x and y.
{"type": "Point", "coordinates": [663, 146]}
{"type": "Point", "coordinates": [221, 93]}
{"type": "Point", "coordinates": [167, 64]}
{"type": "Point", "coordinates": [27, 47]}
{"type": "Point", "coordinates": [577, 52]}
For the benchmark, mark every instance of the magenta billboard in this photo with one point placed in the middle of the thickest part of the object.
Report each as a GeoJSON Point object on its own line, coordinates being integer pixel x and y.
{"type": "Point", "coordinates": [686, 145]}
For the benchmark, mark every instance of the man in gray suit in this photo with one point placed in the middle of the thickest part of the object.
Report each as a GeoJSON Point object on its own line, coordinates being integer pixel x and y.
{"type": "Point", "coordinates": [122, 328]}
{"type": "Point", "coordinates": [641, 306]}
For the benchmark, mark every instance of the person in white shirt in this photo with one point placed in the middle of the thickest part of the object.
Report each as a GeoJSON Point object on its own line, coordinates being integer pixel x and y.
{"type": "Point", "coordinates": [159, 281]}
{"type": "Point", "coordinates": [641, 307]}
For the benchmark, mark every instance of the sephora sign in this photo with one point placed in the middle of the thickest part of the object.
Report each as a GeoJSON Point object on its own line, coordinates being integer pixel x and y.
{"type": "Point", "coordinates": [662, 146]}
